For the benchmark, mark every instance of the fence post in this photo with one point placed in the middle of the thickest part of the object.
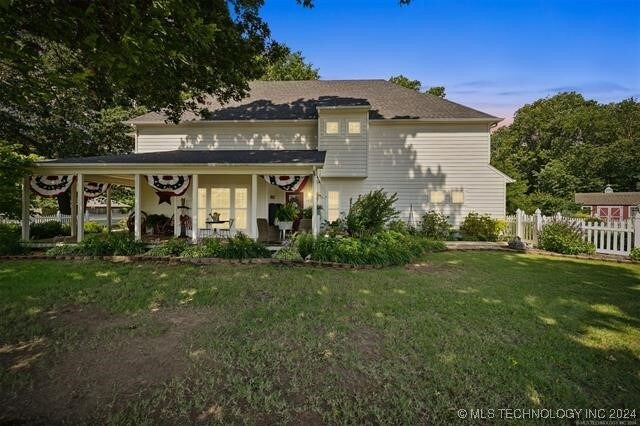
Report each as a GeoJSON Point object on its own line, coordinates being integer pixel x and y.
{"type": "Point", "coordinates": [636, 230]}
{"type": "Point", "coordinates": [519, 224]}
{"type": "Point", "coordinates": [537, 225]}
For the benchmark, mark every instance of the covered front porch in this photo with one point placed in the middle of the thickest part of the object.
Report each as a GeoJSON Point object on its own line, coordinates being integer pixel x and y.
{"type": "Point", "coordinates": [205, 193]}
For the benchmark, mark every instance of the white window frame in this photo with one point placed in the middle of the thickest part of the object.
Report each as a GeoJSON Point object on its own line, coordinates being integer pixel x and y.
{"type": "Point", "coordinates": [453, 197]}
{"type": "Point", "coordinates": [208, 207]}
{"type": "Point", "coordinates": [440, 199]}
{"type": "Point", "coordinates": [331, 122]}
{"type": "Point", "coordinates": [333, 213]}
{"type": "Point", "coordinates": [352, 122]}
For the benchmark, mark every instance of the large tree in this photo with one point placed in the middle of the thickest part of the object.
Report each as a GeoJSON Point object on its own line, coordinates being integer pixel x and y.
{"type": "Point", "coordinates": [159, 53]}
{"type": "Point", "coordinates": [406, 82]}
{"type": "Point", "coordinates": [291, 66]}
{"type": "Point", "coordinates": [565, 144]}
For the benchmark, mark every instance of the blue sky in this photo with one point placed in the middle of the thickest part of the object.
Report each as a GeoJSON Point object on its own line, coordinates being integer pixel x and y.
{"type": "Point", "coordinates": [494, 55]}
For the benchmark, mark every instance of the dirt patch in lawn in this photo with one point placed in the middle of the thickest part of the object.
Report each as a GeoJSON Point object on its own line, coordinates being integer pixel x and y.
{"type": "Point", "coordinates": [111, 360]}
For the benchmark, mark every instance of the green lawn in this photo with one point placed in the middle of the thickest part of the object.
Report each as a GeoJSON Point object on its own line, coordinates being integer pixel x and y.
{"type": "Point", "coordinates": [135, 343]}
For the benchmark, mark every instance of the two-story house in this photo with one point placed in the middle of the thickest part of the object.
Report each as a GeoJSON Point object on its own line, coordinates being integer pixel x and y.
{"type": "Point", "coordinates": [322, 143]}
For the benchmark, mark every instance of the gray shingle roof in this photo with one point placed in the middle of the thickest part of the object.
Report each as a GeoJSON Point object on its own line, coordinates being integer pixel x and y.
{"type": "Point", "coordinates": [290, 100]}
{"type": "Point", "coordinates": [611, 199]}
{"type": "Point", "coordinates": [203, 157]}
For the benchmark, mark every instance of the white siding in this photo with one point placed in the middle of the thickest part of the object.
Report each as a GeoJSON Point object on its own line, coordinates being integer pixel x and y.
{"type": "Point", "coordinates": [346, 153]}
{"type": "Point", "coordinates": [414, 160]}
{"type": "Point", "coordinates": [227, 136]}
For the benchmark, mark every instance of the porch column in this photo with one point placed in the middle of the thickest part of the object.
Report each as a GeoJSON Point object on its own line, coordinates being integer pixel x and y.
{"type": "Point", "coordinates": [137, 209]}
{"type": "Point", "coordinates": [176, 217]}
{"type": "Point", "coordinates": [74, 210]}
{"type": "Point", "coordinates": [314, 205]}
{"type": "Point", "coordinates": [80, 215]}
{"type": "Point", "coordinates": [254, 206]}
{"type": "Point", "coordinates": [26, 203]}
{"type": "Point", "coordinates": [194, 208]}
{"type": "Point", "coordinates": [109, 209]}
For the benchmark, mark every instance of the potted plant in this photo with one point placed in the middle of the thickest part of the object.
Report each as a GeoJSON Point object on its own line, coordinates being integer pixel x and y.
{"type": "Point", "coordinates": [285, 215]}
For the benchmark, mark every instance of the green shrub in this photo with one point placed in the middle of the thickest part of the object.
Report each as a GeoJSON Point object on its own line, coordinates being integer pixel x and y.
{"type": "Point", "coordinates": [402, 227]}
{"type": "Point", "coordinates": [304, 243]}
{"type": "Point", "coordinates": [209, 247]}
{"type": "Point", "coordinates": [171, 247]}
{"type": "Point", "coordinates": [288, 253]}
{"type": "Point", "coordinates": [563, 237]}
{"type": "Point", "coordinates": [243, 247]}
{"type": "Point", "coordinates": [384, 248]}
{"type": "Point", "coordinates": [635, 254]}
{"type": "Point", "coordinates": [435, 225]}
{"type": "Point", "coordinates": [114, 244]}
{"type": "Point", "coordinates": [477, 227]}
{"type": "Point", "coordinates": [65, 250]}
{"type": "Point", "coordinates": [10, 236]}
{"type": "Point", "coordinates": [41, 231]}
{"type": "Point", "coordinates": [93, 228]}
{"type": "Point", "coordinates": [371, 212]}
{"type": "Point", "coordinates": [336, 228]}
{"type": "Point", "coordinates": [587, 217]}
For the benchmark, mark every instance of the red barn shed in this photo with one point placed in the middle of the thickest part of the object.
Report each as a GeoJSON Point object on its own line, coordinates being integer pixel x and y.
{"type": "Point", "coordinates": [610, 205]}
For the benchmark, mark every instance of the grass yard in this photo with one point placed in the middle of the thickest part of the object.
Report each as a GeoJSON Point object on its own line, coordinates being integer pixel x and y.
{"type": "Point", "coordinates": [150, 343]}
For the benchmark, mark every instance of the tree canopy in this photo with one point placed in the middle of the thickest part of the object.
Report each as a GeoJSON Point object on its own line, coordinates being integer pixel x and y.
{"type": "Point", "coordinates": [565, 144]}
{"type": "Point", "coordinates": [158, 53]}
{"type": "Point", "coordinates": [408, 83]}
{"type": "Point", "coordinates": [437, 91]}
{"type": "Point", "coordinates": [291, 66]}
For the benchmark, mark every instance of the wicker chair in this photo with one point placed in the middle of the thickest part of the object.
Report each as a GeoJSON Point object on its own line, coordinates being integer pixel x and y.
{"type": "Point", "coordinates": [267, 233]}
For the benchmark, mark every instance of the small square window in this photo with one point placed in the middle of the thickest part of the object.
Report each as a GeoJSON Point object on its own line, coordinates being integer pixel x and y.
{"type": "Point", "coordinates": [354, 127]}
{"type": "Point", "coordinates": [437, 197]}
{"type": "Point", "coordinates": [457, 197]}
{"type": "Point", "coordinates": [332, 127]}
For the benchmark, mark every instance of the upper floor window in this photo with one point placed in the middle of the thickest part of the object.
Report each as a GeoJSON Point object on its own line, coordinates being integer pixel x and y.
{"type": "Point", "coordinates": [457, 197]}
{"type": "Point", "coordinates": [437, 197]}
{"type": "Point", "coordinates": [332, 127]}
{"type": "Point", "coordinates": [354, 127]}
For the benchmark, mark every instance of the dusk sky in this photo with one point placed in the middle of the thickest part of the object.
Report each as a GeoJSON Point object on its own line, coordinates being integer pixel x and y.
{"type": "Point", "coordinates": [494, 55]}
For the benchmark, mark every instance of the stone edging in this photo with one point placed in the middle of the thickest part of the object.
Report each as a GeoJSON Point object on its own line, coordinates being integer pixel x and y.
{"type": "Point", "coordinates": [197, 260]}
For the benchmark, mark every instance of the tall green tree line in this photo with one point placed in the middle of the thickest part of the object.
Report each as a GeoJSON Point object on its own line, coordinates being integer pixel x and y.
{"type": "Point", "coordinates": [565, 144]}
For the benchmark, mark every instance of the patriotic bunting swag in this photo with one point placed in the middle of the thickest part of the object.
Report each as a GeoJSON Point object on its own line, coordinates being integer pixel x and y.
{"type": "Point", "coordinates": [51, 186]}
{"type": "Point", "coordinates": [169, 186]}
{"type": "Point", "coordinates": [93, 189]}
{"type": "Point", "coordinates": [288, 183]}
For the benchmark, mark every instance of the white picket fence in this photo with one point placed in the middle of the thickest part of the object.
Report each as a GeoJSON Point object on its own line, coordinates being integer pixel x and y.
{"type": "Point", "coordinates": [614, 237]}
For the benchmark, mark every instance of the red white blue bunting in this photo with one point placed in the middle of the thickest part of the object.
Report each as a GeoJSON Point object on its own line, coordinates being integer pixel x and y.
{"type": "Point", "coordinates": [51, 186]}
{"type": "Point", "coordinates": [167, 186]}
{"type": "Point", "coordinates": [287, 183]}
{"type": "Point", "coordinates": [93, 189]}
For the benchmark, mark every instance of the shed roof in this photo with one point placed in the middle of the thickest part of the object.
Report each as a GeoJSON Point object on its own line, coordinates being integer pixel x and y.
{"type": "Point", "coordinates": [608, 199]}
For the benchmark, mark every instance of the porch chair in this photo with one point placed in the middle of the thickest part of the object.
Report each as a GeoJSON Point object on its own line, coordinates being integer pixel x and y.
{"type": "Point", "coordinates": [267, 233]}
